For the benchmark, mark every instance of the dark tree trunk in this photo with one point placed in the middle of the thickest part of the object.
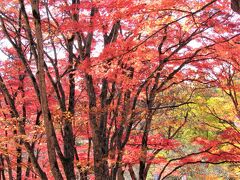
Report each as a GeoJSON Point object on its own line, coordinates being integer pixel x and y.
{"type": "Point", "coordinates": [2, 174]}
{"type": "Point", "coordinates": [68, 137]}
{"type": "Point", "coordinates": [100, 152]}
{"type": "Point", "coordinates": [19, 162]}
{"type": "Point", "coordinates": [132, 173]}
{"type": "Point", "coordinates": [9, 167]}
{"type": "Point", "coordinates": [27, 173]}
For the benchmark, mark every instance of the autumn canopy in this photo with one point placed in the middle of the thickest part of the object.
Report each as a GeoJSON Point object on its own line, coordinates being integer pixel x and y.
{"type": "Point", "coordinates": [119, 89]}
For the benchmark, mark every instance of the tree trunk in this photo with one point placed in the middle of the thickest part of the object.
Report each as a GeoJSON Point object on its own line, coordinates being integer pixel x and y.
{"type": "Point", "coordinates": [132, 173]}
{"type": "Point", "coordinates": [27, 173]}
{"type": "Point", "coordinates": [99, 140]}
{"type": "Point", "coordinates": [68, 137]}
{"type": "Point", "coordinates": [2, 174]}
{"type": "Point", "coordinates": [19, 162]}
{"type": "Point", "coordinates": [10, 175]}
{"type": "Point", "coordinates": [43, 94]}
{"type": "Point", "coordinates": [100, 161]}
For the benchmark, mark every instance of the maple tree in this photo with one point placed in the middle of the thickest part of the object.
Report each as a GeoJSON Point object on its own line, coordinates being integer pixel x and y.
{"type": "Point", "coordinates": [85, 84]}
